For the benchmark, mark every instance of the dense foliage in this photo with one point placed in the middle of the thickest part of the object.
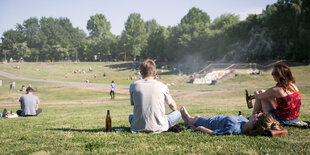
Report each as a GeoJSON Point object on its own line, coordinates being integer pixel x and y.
{"type": "Point", "coordinates": [282, 31]}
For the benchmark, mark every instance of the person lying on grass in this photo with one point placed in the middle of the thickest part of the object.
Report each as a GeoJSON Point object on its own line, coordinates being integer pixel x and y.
{"type": "Point", "coordinates": [281, 101]}
{"type": "Point", "coordinates": [231, 125]}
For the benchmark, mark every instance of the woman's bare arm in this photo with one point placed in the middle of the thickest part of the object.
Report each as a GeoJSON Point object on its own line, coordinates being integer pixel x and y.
{"type": "Point", "coordinates": [262, 94]}
{"type": "Point", "coordinates": [204, 130]}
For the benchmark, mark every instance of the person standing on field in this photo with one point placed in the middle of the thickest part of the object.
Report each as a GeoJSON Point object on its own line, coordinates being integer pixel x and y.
{"type": "Point", "coordinates": [112, 92]}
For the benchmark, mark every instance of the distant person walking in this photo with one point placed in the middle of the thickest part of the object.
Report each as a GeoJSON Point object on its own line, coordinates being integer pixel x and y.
{"type": "Point", "coordinates": [29, 104]}
{"type": "Point", "coordinates": [112, 92]}
{"type": "Point", "coordinates": [12, 86]}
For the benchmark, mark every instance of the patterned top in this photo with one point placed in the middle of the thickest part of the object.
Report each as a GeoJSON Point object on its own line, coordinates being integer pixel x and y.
{"type": "Point", "coordinates": [288, 106]}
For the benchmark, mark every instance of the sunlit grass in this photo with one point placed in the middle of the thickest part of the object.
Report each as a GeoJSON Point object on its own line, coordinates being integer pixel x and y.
{"type": "Point", "coordinates": [73, 117]}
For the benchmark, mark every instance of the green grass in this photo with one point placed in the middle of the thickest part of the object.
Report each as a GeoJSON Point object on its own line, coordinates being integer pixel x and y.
{"type": "Point", "coordinates": [64, 71]}
{"type": "Point", "coordinates": [120, 71]}
{"type": "Point", "coordinates": [75, 125]}
{"type": "Point", "coordinates": [51, 93]}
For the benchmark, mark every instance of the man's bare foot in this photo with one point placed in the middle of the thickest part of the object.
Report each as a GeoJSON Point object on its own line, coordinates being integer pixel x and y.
{"type": "Point", "coordinates": [184, 115]}
{"type": "Point", "coordinates": [188, 120]}
{"type": "Point", "coordinates": [184, 111]}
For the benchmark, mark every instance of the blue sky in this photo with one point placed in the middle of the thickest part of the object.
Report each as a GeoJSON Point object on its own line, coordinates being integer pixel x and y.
{"type": "Point", "coordinates": [165, 12]}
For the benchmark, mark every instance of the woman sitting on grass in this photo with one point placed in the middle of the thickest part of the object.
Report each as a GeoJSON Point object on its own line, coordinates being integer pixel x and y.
{"type": "Point", "coordinates": [223, 125]}
{"type": "Point", "coordinates": [281, 101]}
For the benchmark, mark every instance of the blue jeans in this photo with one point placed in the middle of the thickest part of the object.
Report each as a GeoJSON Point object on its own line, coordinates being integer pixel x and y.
{"type": "Point", "coordinates": [282, 121]}
{"type": "Point", "coordinates": [172, 117]}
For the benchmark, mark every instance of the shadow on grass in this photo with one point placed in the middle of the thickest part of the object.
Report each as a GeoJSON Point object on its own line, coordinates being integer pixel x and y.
{"type": "Point", "coordinates": [122, 128]}
{"type": "Point", "coordinates": [121, 67]}
{"type": "Point", "coordinates": [130, 66]}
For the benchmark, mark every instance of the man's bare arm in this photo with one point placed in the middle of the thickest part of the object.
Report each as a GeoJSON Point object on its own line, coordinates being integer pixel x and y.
{"type": "Point", "coordinates": [173, 106]}
{"type": "Point", "coordinates": [37, 106]}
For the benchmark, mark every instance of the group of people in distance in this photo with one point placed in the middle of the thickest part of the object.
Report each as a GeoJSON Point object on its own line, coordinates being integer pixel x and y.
{"type": "Point", "coordinates": [275, 106]}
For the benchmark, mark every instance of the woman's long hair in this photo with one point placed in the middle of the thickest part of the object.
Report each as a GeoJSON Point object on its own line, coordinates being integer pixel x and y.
{"type": "Point", "coordinates": [264, 122]}
{"type": "Point", "coordinates": [284, 77]}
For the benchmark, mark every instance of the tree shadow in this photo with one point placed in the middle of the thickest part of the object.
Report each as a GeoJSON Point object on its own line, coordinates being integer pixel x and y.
{"type": "Point", "coordinates": [122, 67]}
{"type": "Point", "coordinates": [167, 73]}
{"type": "Point", "coordinates": [120, 129]}
{"type": "Point", "coordinates": [130, 66]}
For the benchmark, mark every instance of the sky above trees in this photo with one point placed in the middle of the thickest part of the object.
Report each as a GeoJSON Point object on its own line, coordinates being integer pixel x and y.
{"type": "Point", "coordinates": [280, 32]}
{"type": "Point", "coordinates": [117, 11]}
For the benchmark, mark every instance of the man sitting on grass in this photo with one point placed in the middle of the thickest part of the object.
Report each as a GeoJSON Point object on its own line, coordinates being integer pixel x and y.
{"type": "Point", "coordinates": [29, 104]}
{"type": "Point", "coordinates": [148, 97]}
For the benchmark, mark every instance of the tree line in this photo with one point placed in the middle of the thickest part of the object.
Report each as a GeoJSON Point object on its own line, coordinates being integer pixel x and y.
{"type": "Point", "coordinates": [282, 31]}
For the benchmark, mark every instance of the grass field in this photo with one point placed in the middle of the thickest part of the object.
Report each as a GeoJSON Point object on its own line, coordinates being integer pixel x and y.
{"type": "Point", "coordinates": [73, 117]}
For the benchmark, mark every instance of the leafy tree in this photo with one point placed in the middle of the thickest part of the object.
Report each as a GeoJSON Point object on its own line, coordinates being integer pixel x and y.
{"type": "Point", "coordinates": [135, 35]}
{"type": "Point", "coordinates": [150, 26]}
{"type": "Point", "coordinates": [100, 35]}
{"type": "Point", "coordinates": [189, 36]}
{"type": "Point", "coordinates": [225, 20]}
{"type": "Point", "coordinates": [10, 40]}
{"type": "Point", "coordinates": [20, 50]}
{"type": "Point", "coordinates": [98, 26]}
{"type": "Point", "coordinates": [115, 47]}
{"type": "Point", "coordinates": [282, 31]}
{"type": "Point", "coordinates": [31, 29]}
{"type": "Point", "coordinates": [156, 43]}
{"type": "Point", "coordinates": [122, 45]}
{"type": "Point", "coordinates": [194, 16]}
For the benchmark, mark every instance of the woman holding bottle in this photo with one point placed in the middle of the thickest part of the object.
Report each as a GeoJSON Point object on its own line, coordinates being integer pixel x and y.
{"type": "Point", "coordinates": [283, 100]}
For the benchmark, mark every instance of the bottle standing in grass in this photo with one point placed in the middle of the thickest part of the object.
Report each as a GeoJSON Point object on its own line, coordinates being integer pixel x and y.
{"type": "Point", "coordinates": [108, 122]}
{"type": "Point", "coordinates": [248, 99]}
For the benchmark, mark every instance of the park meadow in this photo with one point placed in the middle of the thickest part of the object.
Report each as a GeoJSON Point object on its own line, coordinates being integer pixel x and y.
{"type": "Point", "coordinates": [73, 117]}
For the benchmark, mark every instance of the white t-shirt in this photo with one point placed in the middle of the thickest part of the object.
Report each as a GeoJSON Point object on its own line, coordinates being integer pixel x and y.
{"type": "Point", "coordinates": [148, 98]}
{"type": "Point", "coordinates": [112, 87]}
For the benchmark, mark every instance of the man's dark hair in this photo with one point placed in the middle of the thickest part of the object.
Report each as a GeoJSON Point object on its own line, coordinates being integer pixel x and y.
{"type": "Point", "coordinates": [29, 89]}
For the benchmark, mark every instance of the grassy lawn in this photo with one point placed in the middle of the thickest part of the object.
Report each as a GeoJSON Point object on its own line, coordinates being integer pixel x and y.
{"type": "Point", "coordinates": [73, 117]}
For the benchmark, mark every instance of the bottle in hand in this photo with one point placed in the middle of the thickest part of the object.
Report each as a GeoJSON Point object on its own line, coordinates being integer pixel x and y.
{"type": "Point", "coordinates": [108, 122]}
{"type": "Point", "coordinates": [248, 99]}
